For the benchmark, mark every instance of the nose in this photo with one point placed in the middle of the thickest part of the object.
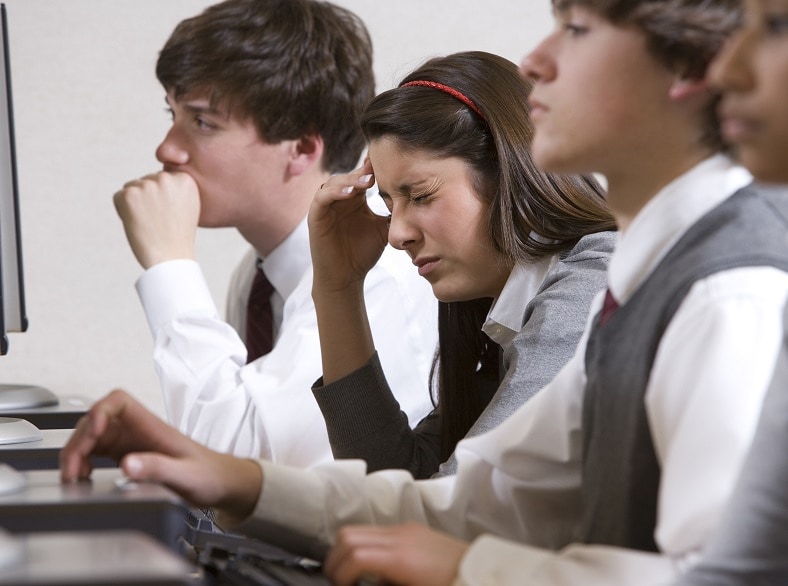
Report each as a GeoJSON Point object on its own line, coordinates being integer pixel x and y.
{"type": "Point", "coordinates": [729, 70]}
{"type": "Point", "coordinates": [402, 233]}
{"type": "Point", "coordinates": [171, 151]}
{"type": "Point", "coordinates": [539, 64]}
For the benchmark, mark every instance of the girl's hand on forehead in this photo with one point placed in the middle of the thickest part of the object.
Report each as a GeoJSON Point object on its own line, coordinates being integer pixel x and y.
{"type": "Point", "coordinates": [346, 236]}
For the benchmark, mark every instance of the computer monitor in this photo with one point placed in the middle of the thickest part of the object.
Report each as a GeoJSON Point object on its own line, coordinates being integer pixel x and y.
{"type": "Point", "coordinates": [12, 295]}
{"type": "Point", "coordinates": [13, 317]}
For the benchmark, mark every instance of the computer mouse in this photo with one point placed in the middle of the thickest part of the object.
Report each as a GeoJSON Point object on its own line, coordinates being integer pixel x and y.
{"type": "Point", "coordinates": [11, 480]}
{"type": "Point", "coordinates": [11, 551]}
{"type": "Point", "coordinates": [18, 431]}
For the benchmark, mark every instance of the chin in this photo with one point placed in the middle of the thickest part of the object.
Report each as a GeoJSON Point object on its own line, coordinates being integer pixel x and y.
{"type": "Point", "coordinates": [454, 296]}
{"type": "Point", "coordinates": [776, 176]}
{"type": "Point", "coordinates": [550, 160]}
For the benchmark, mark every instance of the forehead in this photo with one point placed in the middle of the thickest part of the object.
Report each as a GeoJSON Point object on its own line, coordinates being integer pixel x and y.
{"type": "Point", "coordinates": [596, 5]}
{"type": "Point", "coordinates": [206, 101]}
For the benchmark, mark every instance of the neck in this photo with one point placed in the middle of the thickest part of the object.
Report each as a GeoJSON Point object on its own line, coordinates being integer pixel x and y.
{"type": "Point", "coordinates": [288, 208]}
{"type": "Point", "coordinates": [630, 190]}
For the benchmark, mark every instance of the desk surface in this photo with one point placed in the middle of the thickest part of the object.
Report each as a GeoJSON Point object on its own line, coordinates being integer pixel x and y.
{"type": "Point", "coordinates": [103, 503]}
{"type": "Point", "coordinates": [104, 557]}
{"type": "Point", "coordinates": [45, 453]}
{"type": "Point", "coordinates": [64, 415]}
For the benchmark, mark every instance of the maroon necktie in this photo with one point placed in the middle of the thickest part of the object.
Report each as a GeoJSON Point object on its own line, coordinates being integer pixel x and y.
{"type": "Point", "coordinates": [608, 308]}
{"type": "Point", "coordinates": [259, 318]}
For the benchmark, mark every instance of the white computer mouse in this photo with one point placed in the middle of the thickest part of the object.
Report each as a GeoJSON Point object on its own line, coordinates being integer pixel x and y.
{"type": "Point", "coordinates": [18, 431]}
{"type": "Point", "coordinates": [11, 480]}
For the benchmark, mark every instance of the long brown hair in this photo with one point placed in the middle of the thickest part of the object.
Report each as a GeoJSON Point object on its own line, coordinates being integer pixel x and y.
{"type": "Point", "coordinates": [531, 214]}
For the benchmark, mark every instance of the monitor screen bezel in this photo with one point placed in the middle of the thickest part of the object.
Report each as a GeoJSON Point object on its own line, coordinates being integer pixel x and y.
{"type": "Point", "coordinates": [13, 316]}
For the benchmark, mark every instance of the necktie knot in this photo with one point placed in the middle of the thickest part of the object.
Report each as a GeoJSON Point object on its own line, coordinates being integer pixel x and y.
{"type": "Point", "coordinates": [608, 308]}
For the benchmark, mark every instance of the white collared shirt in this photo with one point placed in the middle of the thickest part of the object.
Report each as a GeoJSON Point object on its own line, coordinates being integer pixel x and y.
{"type": "Point", "coordinates": [521, 480]}
{"type": "Point", "coordinates": [266, 408]}
{"type": "Point", "coordinates": [505, 318]}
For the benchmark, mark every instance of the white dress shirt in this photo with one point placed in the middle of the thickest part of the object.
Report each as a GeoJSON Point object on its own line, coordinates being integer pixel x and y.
{"type": "Point", "coordinates": [520, 482]}
{"type": "Point", "coordinates": [505, 318]}
{"type": "Point", "coordinates": [266, 408]}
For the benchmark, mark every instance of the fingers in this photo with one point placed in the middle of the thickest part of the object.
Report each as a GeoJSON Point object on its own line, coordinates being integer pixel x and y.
{"type": "Point", "coordinates": [346, 186]}
{"type": "Point", "coordinates": [203, 477]}
{"type": "Point", "coordinates": [152, 184]}
{"type": "Point", "coordinates": [160, 215]}
{"type": "Point", "coordinates": [115, 426]}
{"type": "Point", "coordinates": [404, 554]}
{"type": "Point", "coordinates": [90, 430]}
{"type": "Point", "coordinates": [74, 464]}
{"type": "Point", "coordinates": [361, 552]}
{"type": "Point", "coordinates": [183, 476]}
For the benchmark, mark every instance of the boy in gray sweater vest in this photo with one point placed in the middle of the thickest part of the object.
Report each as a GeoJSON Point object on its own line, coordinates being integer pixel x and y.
{"type": "Point", "coordinates": [618, 470]}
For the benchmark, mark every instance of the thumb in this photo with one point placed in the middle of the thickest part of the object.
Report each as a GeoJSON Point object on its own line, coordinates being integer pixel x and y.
{"type": "Point", "coordinates": [180, 475]}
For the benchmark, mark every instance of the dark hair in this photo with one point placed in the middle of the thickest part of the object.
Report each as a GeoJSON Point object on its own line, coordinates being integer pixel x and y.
{"type": "Point", "coordinates": [530, 213]}
{"type": "Point", "coordinates": [684, 35]}
{"type": "Point", "coordinates": [296, 67]}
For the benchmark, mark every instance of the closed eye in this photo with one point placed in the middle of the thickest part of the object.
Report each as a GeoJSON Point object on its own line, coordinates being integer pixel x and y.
{"type": "Point", "coordinates": [418, 198]}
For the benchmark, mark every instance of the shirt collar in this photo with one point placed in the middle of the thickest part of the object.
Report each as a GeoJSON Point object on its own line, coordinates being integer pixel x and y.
{"type": "Point", "coordinates": [506, 315]}
{"type": "Point", "coordinates": [286, 265]}
{"type": "Point", "coordinates": [667, 217]}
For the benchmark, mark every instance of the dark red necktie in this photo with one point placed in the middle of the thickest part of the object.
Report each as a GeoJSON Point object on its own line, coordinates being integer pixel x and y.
{"type": "Point", "coordinates": [259, 318]}
{"type": "Point", "coordinates": [608, 308]}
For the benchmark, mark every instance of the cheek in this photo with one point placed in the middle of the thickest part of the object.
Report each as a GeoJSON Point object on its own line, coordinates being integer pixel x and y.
{"type": "Point", "coordinates": [775, 99]}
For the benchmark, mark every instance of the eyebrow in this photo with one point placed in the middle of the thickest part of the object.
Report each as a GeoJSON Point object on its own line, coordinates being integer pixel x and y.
{"type": "Point", "coordinates": [195, 108]}
{"type": "Point", "coordinates": [405, 188]}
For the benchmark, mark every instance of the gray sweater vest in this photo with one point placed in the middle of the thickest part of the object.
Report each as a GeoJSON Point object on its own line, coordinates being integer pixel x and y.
{"type": "Point", "coordinates": [621, 473]}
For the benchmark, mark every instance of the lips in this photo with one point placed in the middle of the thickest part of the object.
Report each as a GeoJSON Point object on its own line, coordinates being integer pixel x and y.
{"type": "Point", "coordinates": [538, 109]}
{"type": "Point", "coordinates": [426, 264]}
{"type": "Point", "coordinates": [735, 125]}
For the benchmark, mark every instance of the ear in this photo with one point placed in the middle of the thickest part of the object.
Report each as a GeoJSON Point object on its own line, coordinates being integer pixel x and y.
{"type": "Point", "coordinates": [684, 88]}
{"type": "Point", "coordinates": [305, 152]}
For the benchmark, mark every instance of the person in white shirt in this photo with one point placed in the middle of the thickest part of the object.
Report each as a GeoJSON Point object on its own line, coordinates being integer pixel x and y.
{"type": "Point", "coordinates": [618, 470]}
{"type": "Point", "coordinates": [751, 546]}
{"type": "Point", "coordinates": [261, 117]}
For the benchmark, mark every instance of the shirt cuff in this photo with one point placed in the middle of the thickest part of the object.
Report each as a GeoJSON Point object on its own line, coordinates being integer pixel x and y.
{"type": "Point", "coordinates": [290, 510]}
{"type": "Point", "coordinates": [493, 561]}
{"type": "Point", "coordinates": [171, 288]}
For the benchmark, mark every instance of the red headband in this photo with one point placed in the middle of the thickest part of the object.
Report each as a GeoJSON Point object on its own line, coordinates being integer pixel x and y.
{"type": "Point", "coordinates": [449, 90]}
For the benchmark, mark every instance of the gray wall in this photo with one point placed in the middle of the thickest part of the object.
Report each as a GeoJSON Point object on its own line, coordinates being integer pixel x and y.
{"type": "Point", "coordinates": [89, 114]}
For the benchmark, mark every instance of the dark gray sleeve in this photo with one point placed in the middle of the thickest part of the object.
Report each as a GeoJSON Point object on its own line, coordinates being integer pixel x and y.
{"type": "Point", "coordinates": [363, 417]}
{"type": "Point", "coordinates": [750, 548]}
{"type": "Point", "coordinates": [554, 322]}
{"type": "Point", "coordinates": [364, 421]}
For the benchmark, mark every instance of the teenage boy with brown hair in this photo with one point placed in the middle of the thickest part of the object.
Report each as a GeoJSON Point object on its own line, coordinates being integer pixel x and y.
{"type": "Point", "coordinates": [618, 470]}
{"type": "Point", "coordinates": [265, 96]}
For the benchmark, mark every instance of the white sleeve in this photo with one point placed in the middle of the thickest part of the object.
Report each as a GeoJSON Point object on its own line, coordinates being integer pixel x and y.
{"type": "Point", "coordinates": [520, 481]}
{"type": "Point", "coordinates": [266, 408]}
{"type": "Point", "coordinates": [201, 363]}
{"type": "Point", "coordinates": [707, 385]}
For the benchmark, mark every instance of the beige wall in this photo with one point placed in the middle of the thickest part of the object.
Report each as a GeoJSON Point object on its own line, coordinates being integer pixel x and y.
{"type": "Point", "coordinates": [89, 114]}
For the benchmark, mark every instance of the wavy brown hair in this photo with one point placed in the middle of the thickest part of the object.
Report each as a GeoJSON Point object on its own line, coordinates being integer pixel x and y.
{"type": "Point", "coordinates": [295, 67]}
